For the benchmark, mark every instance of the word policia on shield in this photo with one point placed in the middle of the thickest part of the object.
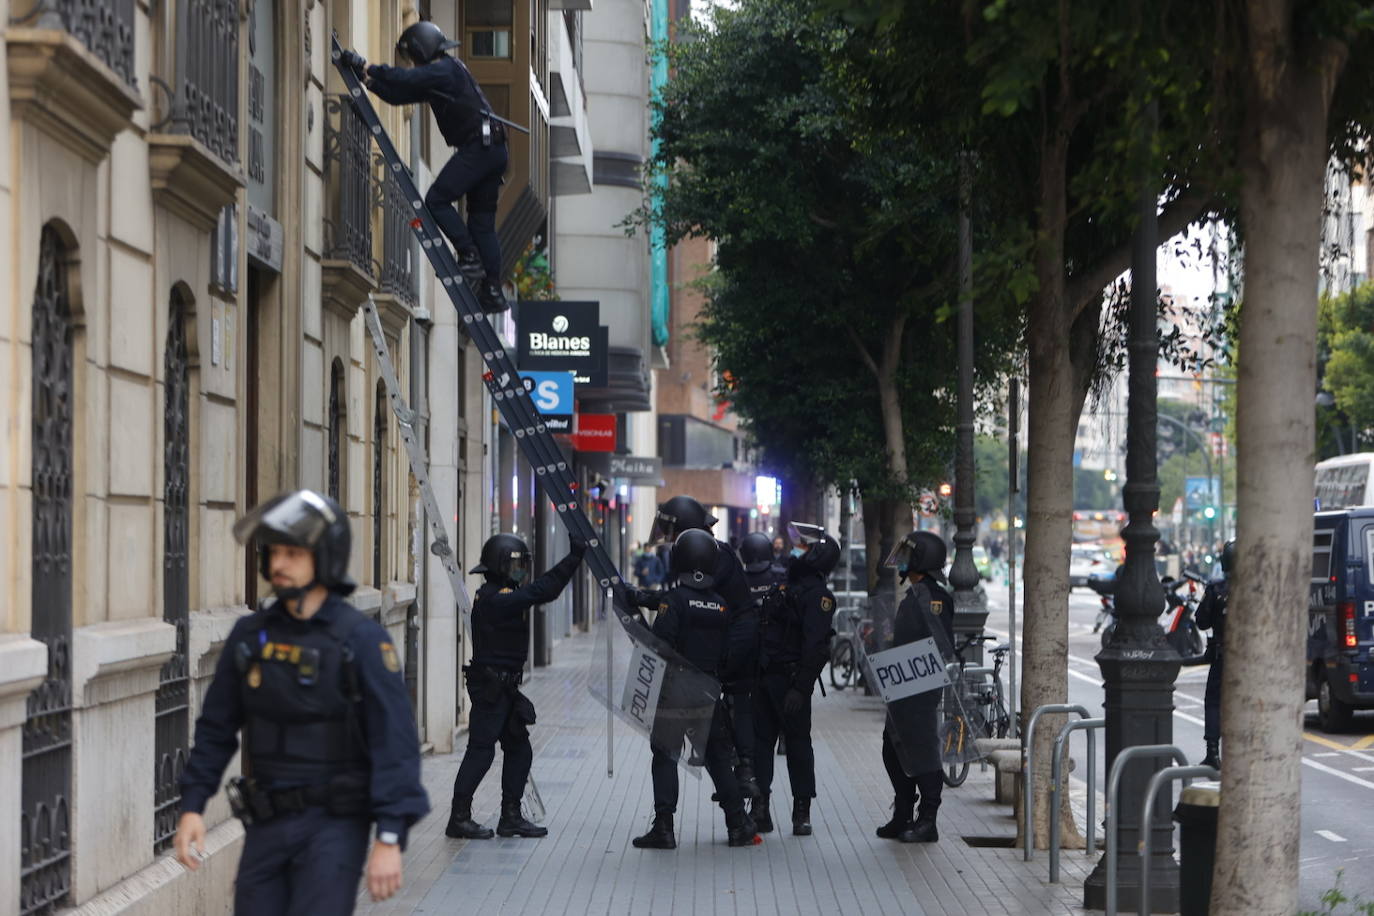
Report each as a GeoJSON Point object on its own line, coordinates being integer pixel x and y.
{"type": "Point", "coordinates": [909, 669]}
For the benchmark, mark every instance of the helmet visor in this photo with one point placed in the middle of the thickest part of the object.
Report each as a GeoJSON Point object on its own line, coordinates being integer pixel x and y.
{"type": "Point", "coordinates": [664, 530]}
{"type": "Point", "coordinates": [298, 518]}
{"type": "Point", "coordinates": [900, 555]}
{"type": "Point", "coordinates": [804, 534]}
{"type": "Point", "coordinates": [519, 563]}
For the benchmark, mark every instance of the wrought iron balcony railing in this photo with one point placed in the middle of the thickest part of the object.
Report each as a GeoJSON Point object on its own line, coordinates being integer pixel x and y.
{"type": "Point", "coordinates": [205, 98]}
{"type": "Point", "coordinates": [348, 184]}
{"type": "Point", "coordinates": [105, 27]}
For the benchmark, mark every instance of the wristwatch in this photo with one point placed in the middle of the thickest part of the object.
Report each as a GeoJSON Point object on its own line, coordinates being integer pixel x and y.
{"type": "Point", "coordinates": [389, 837]}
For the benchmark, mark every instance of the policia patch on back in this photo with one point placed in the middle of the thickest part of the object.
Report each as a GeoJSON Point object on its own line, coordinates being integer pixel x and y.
{"type": "Point", "coordinates": [827, 604]}
{"type": "Point", "coordinates": [389, 657]}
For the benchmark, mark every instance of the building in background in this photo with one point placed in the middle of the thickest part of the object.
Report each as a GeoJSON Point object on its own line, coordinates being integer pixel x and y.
{"type": "Point", "coordinates": [192, 219]}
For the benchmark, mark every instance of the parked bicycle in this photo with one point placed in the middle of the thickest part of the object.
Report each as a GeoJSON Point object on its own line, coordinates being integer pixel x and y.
{"type": "Point", "coordinates": [853, 636]}
{"type": "Point", "coordinates": [981, 711]}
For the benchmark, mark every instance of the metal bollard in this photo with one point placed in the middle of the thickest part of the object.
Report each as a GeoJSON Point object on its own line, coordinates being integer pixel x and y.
{"type": "Point", "coordinates": [1157, 781]}
{"type": "Point", "coordinates": [1058, 777]}
{"type": "Point", "coordinates": [1027, 753]}
{"type": "Point", "coordinates": [1125, 756]}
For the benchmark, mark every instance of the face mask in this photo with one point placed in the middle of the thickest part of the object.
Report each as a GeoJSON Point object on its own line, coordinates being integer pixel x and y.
{"type": "Point", "coordinates": [902, 569]}
{"type": "Point", "coordinates": [517, 575]}
{"type": "Point", "coordinates": [798, 552]}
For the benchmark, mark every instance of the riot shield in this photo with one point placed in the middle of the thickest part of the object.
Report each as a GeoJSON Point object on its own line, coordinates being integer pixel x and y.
{"type": "Point", "coordinates": [647, 685]}
{"type": "Point", "coordinates": [928, 717]}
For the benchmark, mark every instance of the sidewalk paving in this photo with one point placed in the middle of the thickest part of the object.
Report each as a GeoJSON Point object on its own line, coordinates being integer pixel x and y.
{"type": "Point", "coordinates": [587, 865]}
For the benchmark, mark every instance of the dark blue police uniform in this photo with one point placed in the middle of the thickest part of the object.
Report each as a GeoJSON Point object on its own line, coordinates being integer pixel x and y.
{"type": "Point", "coordinates": [740, 692]}
{"type": "Point", "coordinates": [795, 646]}
{"type": "Point", "coordinates": [500, 712]}
{"type": "Point", "coordinates": [329, 741]}
{"type": "Point", "coordinates": [1211, 615]}
{"type": "Point", "coordinates": [475, 171]}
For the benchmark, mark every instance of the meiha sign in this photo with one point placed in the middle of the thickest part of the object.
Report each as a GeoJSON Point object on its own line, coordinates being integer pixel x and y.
{"type": "Point", "coordinates": [643, 684]}
{"type": "Point", "coordinates": [906, 670]}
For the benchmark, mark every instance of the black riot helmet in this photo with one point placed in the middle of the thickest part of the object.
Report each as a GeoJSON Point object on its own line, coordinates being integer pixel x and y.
{"type": "Point", "coordinates": [756, 552]}
{"type": "Point", "coordinates": [679, 514]}
{"type": "Point", "coordinates": [1228, 557]}
{"type": "Point", "coordinates": [302, 518]}
{"type": "Point", "coordinates": [920, 552]}
{"type": "Point", "coordinates": [694, 558]}
{"type": "Point", "coordinates": [505, 558]}
{"type": "Point", "coordinates": [820, 551]}
{"type": "Point", "coordinates": [423, 42]}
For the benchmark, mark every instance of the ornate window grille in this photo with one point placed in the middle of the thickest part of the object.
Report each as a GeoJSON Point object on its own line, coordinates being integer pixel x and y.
{"type": "Point", "coordinates": [349, 184]}
{"type": "Point", "coordinates": [105, 27]}
{"type": "Point", "coordinates": [206, 94]}
{"type": "Point", "coordinates": [172, 722]}
{"type": "Point", "coordinates": [398, 277]}
{"type": "Point", "coordinates": [338, 419]}
{"type": "Point", "coordinates": [45, 818]}
{"type": "Point", "coordinates": [378, 481]}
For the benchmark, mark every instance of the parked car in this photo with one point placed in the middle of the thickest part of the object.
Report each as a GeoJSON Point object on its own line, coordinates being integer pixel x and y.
{"type": "Point", "coordinates": [1085, 561]}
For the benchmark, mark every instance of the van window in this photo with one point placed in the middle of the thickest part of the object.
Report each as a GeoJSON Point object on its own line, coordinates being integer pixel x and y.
{"type": "Point", "coordinates": [1369, 552]}
{"type": "Point", "coordinates": [1343, 486]}
{"type": "Point", "coordinates": [1321, 556]}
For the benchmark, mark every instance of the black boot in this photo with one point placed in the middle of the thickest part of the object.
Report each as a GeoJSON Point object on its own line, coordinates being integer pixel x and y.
{"type": "Point", "coordinates": [470, 264]}
{"type": "Point", "coordinates": [461, 826]}
{"type": "Point", "coordinates": [660, 835]}
{"type": "Point", "coordinates": [740, 830]}
{"type": "Point", "coordinates": [801, 817]}
{"type": "Point", "coordinates": [513, 823]}
{"type": "Point", "coordinates": [744, 775]}
{"type": "Point", "coordinates": [491, 298]}
{"type": "Point", "coordinates": [901, 819]}
{"type": "Point", "coordinates": [763, 821]}
{"type": "Point", "coordinates": [922, 830]}
{"type": "Point", "coordinates": [1213, 758]}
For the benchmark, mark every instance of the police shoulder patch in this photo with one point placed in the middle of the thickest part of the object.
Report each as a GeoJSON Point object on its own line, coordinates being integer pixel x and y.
{"type": "Point", "coordinates": [827, 604]}
{"type": "Point", "coordinates": [389, 657]}
{"type": "Point", "coordinates": [662, 606]}
{"type": "Point", "coordinates": [255, 677]}
{"type": "Point", "coordinates": [937, 607]}
{"type": "Point", "coordinates": [505, 591]}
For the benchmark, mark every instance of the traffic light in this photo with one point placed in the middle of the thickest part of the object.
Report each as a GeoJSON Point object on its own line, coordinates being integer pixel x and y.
{"type": "Point", "coordinates": [1209, 513]}
{"type": "Point", "coordinates": [945, 490]}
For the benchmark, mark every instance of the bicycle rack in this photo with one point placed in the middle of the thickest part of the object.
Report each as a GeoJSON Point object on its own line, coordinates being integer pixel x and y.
{"type": "Point", "coordinates": [1058, 778]}
{"type": "Point", "coordinates": [1157, 782]}
{"type": "Point", "coordinates": [1027, 755]}
{"type": "Point", "coordinates": [1123, 757]}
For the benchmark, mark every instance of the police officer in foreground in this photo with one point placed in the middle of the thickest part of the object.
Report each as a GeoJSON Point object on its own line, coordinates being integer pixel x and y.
{"type": "Point", "coordinates": [695, 621]}
{"type": "Point", "coordinates": [500, 712]}
{"type": "Point", "coordinates": [1211, 615]}
{"type": "Point", "coordinates": [762, 574]}
{"type": "Point", "coordinates": [795, 634]}
{"type": "Point", "coordinates": [920, 560]}
{"type": "Point", "coordinates": [329, 740]}
{"type": "Point", "coordinates": [479, 140]}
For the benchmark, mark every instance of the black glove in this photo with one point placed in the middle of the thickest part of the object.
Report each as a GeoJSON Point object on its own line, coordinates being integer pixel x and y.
{"type": "Point", "coordinates": [374, 71]}
{"type": "Point", "coordinates": [793, 701]}
{"type": "Point", "coordinates": [576, 545]}
{"type": "Point", "coordinates": [353, 61]}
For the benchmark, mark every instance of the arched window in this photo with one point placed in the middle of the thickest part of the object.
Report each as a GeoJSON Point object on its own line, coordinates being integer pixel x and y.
{"type": "Point", "coordinates": [378, 481]}
{"type": "Point", "coordinates": [45, 823]}
{"type": "Point", "coordinates": [171, 724]}
{"type": "Point", "coordinates": [338, 423]}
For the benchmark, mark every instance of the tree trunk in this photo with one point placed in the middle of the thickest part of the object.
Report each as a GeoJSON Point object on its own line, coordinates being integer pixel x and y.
{"type": "Point", "coordinates": [1056, 395]}
{"type": "Point", "coordinates": [1283, 166]}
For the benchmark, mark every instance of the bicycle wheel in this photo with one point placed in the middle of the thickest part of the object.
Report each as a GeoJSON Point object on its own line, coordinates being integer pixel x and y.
{"type": "Point", "coordinates": [1000, 721]}
{"type": "Point", "coordinates": [954, 774]}
{"type": "Point", "coordinates": [842, 666]}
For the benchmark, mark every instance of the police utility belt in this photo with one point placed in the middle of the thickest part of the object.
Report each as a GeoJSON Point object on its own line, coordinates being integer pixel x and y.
{"type": "Point", "coordinates": [343, 796]}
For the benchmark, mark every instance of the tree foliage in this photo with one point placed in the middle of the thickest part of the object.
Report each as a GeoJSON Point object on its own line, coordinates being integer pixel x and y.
{"type": "Point", "coordinates": [1345, 346]}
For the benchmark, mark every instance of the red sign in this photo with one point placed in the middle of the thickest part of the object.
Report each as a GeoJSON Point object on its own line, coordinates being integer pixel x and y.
{"type": "Point", "coordinates": [594, 432]}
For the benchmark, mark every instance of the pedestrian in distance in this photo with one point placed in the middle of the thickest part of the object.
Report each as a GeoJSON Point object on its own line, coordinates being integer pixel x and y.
{"type": "Point", "coordinates": [500, 712]}
{"type": "Point", "coordinates": [795, 631]}
{"type": "Point", "coordinates": [695, 621]}
{"type": "Point", "coordinates": [328, 736]}
{"type": "Point", "coordinates": [478, 138]}
{"type": "Point", "coordinates": [779, 550]}
{"type": "Point", "coordinates": [1211, 615]}
{"type": "Point", "coordinates": [915, 771]}
{"type": "Point", "coordinates": [648, 569]}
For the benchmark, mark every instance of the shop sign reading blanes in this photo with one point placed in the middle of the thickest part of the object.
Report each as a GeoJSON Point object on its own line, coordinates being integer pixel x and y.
{"type": "Point", "coordinates": [562, 336]}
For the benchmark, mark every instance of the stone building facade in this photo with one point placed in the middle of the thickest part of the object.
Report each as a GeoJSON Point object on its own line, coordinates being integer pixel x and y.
{"type": "Point", "coordinates": [190, 222]}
